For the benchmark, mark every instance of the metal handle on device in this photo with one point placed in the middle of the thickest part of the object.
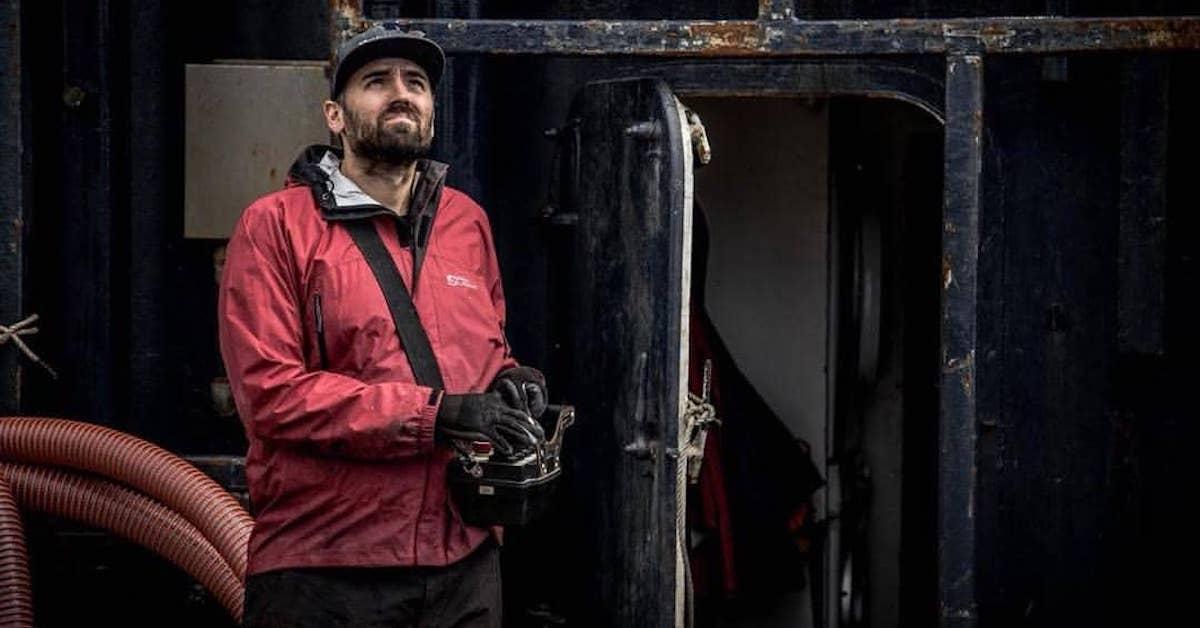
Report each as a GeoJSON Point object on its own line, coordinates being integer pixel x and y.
{"type": "Point", "coordinates": [566, 417]}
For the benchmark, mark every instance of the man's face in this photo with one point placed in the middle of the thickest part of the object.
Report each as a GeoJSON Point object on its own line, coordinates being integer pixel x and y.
{"type": "Point", "coordinates": [385, 112]}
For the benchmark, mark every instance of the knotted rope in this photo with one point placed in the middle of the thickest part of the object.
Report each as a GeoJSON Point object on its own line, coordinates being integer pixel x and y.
{"type": "Point", "coordinates": [24, 328]}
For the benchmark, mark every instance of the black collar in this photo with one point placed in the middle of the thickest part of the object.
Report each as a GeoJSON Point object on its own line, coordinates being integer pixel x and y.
{"type": "Point", "coordinates": [316, 164]}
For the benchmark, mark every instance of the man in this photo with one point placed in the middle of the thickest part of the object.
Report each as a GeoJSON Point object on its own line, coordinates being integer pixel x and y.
{"type": "Point", "coordinates": [349, 432]}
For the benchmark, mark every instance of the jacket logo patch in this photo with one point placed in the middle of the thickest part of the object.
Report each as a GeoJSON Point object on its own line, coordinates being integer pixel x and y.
{"type": "Point", "coordinates": [459, 281]}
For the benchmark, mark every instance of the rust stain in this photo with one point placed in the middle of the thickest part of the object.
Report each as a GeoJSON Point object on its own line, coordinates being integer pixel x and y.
{"type": "Point", "coordinates": [346, 8]}
{"type": "Point", "coordinates": [1135, 33]}
{"type": "Point", "coordinates": [345, 20]}
{"type": "Point", "coordinates": [1157, 33]}
{"type": "Point", "coordinates": [1163, 39]}
{"type": "Point", "coordinates": [947, 273]}
{"type": "Point", "coordinates": [1065, 34]}
{"type": "Point", "coordinates": [997, 33]}
{"type": "Point", "coordinates": [726, 37]}
{"type": "Point", "coordinates": [965, 368]}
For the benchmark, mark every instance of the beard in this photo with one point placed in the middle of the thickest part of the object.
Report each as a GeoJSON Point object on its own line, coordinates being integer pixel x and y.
{"type": "Point", "coordinates": [396, 145]}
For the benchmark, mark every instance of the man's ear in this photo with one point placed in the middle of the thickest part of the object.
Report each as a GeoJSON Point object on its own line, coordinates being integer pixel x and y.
{"type": "Point", "coordinates": [334, 117]}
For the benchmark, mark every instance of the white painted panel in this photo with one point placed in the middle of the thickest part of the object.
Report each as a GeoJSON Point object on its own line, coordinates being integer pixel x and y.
{"type": "Point", "coordinates": [765, 194]}
{"type": "Point", "coordinates": [245, 125]}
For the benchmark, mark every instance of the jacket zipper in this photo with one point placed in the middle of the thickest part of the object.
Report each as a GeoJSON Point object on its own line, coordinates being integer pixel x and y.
{"type": "Point", "coordinates": [319, 324]}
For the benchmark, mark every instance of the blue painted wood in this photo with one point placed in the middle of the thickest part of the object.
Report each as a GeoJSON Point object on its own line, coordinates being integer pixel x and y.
{"type": "Point", "coordinates": [957, 462]}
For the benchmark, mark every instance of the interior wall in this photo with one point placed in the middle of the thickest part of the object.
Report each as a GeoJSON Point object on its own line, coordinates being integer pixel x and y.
{"type": "Point", "coordinates": [765, 195]}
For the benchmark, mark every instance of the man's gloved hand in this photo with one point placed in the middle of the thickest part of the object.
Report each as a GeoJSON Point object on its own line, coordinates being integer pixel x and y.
{"type": "Point", "coordinates": [522, 387]}
{"type": "Point", "coordinates": [486, 417]}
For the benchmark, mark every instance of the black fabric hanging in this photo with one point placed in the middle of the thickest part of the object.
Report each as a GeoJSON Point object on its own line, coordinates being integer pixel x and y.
{"type": "Point", "coordinates": [412, 335]}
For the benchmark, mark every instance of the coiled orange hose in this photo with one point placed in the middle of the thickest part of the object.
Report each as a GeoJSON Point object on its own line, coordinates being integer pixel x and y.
{"type": "Point", "coordinates": [130, 515]}
{"type": "Point", "coordinates": [16, 592]}
{"type": "Point", "coordinates": [139, 464]}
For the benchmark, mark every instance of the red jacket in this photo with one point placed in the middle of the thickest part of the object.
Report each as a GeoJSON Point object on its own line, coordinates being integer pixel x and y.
{"type": "Point", "coordinates": [342, 466]}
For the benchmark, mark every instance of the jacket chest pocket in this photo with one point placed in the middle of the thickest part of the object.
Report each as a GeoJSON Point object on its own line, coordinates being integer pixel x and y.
{"type": "Point", "coordinates": [351, 325]}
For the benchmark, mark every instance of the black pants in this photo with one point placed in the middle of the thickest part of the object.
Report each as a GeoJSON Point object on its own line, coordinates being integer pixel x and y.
{"type": "Point", "coordinates": [465, 594]}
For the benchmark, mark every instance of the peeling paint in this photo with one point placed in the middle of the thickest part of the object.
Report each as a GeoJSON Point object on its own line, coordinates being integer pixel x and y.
{"type": "Point", "coordinates": [965, 368]}
{"type": "Point", "coordinates": [1160, 39]}
{"type": "Point", "coordinates": [728, 36]}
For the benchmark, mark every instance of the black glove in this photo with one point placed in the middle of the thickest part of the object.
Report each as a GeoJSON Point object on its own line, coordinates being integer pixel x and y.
{"type": "Point", "coordinates": [522, 387]}
{"type": "Point", "coordinates": [486, 417]}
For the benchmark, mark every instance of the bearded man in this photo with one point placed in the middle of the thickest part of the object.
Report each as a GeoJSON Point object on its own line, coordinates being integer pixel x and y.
{"type": "Point", "coordinates": [350, 416]}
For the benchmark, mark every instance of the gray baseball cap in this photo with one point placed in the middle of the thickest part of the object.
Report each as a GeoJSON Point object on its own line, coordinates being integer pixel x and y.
{"type": "Point", "coordinates": [386, 39]}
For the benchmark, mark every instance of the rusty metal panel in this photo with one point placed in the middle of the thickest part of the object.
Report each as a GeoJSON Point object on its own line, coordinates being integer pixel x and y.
{"type": "Point", "coordinates": [245, 125]}
{"type": "Point", "coordinates": [785, 37]}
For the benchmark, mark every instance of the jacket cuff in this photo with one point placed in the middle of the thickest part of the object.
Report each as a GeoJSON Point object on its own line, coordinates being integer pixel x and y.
{"type": "Point", "coordinates": [428, 420]}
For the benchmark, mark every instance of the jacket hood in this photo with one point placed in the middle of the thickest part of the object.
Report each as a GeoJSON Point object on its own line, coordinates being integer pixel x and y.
{"type": "Point", "coordinates": [339, 198]}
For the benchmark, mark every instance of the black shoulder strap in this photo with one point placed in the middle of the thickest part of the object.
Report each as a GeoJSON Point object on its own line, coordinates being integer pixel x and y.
{"type": "Point", "coordinates": [408, 326]}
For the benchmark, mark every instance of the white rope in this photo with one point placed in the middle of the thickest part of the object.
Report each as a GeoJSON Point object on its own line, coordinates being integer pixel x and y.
{"type": "Point", "coordinates": [698, 415]}
{"type": "Point", "coordinates": [24, 328]}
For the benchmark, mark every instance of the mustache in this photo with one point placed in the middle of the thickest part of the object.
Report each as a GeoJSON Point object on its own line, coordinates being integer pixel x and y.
{"type": "Point", "coordinates": [401, 107]}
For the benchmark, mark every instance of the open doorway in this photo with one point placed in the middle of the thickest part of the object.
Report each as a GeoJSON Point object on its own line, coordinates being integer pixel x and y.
{"type": "Point", "coordinates": [820, 279]}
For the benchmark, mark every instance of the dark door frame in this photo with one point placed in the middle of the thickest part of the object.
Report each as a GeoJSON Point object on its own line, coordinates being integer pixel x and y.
{"type": "Point", "coordinates": [913, 81]}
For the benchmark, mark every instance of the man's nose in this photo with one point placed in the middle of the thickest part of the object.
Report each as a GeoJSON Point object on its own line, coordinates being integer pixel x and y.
{"type": "Point", "coordinates": [401, 88]}
{"type": "Point", "coordinates": [401, 101]}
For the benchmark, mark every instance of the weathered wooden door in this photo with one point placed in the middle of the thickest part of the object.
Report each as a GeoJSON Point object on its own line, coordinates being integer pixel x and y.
{"type": "Point", "coordinates": [627, 169]}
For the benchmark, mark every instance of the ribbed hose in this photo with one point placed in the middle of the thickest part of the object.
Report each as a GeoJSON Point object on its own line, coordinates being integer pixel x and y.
{"type": "Point", "coordinates": [16, 593]}
{"type": "Point", "coordinates": [129, 515]}
{"type": "Point", "coordinates": [142, 465]}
